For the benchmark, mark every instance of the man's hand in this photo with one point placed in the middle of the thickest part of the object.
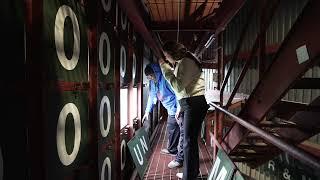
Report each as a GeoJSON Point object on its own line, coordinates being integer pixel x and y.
{"type": "Point", "coordinates": [145, 117]}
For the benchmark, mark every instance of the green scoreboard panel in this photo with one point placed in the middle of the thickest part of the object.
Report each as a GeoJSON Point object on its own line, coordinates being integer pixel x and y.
{"type": "Point", "coordinates": [65, 40]}
{"type": "Point", "coordinates": [109, 11]}
{"type": "Point", "coordinates": [67, 135]}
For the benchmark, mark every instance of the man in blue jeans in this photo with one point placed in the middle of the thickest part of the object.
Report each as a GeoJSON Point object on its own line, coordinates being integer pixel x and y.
{"type": "Point", "coordinates": [159, 89]}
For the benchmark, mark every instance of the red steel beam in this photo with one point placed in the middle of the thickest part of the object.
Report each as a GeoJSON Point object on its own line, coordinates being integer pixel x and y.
{"type": "Point", "coordinates": [34, 89]}
{"type": "Point", "coordinates": [271, 49]}
{"type": "Point", "coordinates": [307, 83]}
{"type": "Point", "coordinates": [269, 90]}
{"type": "Point", "coordinates": [237, 50]}
{"type": "Point", "coordinates": [129, 7]}
{"type": "Point", "coordinates": [242, 74]}
{"type": "Point", "coordinates": [93, 107]}
{"type": "Point", "coordinates": [227, 10]}
{"type": "Point", "coordinates": [311, 148]}
{"type": "Point", "coordinates": [267, 17]}
{"type": "Point", "coordinates": [286, 109]}
{"type": "Point", "coordinates": [308, 123]}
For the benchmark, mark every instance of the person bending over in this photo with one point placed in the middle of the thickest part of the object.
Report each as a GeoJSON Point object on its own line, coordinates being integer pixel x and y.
{"type": "Point", "coordinates": [160, 89]}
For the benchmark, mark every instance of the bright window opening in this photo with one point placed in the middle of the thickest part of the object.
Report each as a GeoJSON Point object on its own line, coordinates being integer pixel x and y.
{"type": "Point", "coordinates": [134, 104]}
{"type": "Point", "coordinates": [123, 108]}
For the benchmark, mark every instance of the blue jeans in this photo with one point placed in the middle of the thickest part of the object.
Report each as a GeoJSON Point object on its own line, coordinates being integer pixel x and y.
{"type": "Point", "coordinates": [175, 137]}
{"type": "Point", "coordinates": [195, 110]}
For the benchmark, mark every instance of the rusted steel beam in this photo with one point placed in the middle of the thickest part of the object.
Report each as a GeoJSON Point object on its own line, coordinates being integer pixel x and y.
{"type": "Point", "coordinates": [262, 45]}
{"type": "Point", "coordinates": [258, 148]}
{"type": "Point", "coordinates": [220, 61]}
{"type": "Point", "coordinates": [209, 65]}
{"type": "Point", "coordinates": [244, 159]}
{"type": "Point", "coordinates": [269, 90]}
{"type": "Point", "coordinates": [243, 56]}
{"type": "Point", "coordinates": [308, 124]}
{"type": "Point", "coordinates": [129, 7]}
{"type": "Point", "coordinates": [247, 155]}
{"type": "Point", "coordinates": [311, 148]}
{"type": "Point", "coordinates": [242, 74]}
{"type": "Point", "coordinates": [307, 83]}
{"type": "Point", "coordinates": [267, 17]}
{"type": "Point", "coordinates": [275, 125]}
{"type": "Point", "coordinates": [276, 141]}
{"type": "Point", "coordinates": [227, 10]}
{"type": "Point", "coordinates": [34, 76]}
{"type": "Point", "coordinates": [93, 93]}
{"type": "Point", "coordinates": [237, 50]}
{"type": "Point", "coordinates": [286, 109]}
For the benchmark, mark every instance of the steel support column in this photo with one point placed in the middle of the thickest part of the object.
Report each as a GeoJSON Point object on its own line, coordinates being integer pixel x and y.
{"type": "Point", "coordinates": [269, 90]}
{"type": "Point", "coordinates": [36, 85]}
{"type": "Point", "coordinates": [93, 92]}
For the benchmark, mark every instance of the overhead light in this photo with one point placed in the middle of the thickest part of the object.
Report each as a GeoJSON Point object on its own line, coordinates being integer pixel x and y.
{"type": "Point", "coordinates": [211, 39]}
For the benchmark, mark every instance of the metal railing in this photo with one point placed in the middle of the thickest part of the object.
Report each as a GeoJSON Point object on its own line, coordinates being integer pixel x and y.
{"type": "Point", "coordinates": [281, 144]}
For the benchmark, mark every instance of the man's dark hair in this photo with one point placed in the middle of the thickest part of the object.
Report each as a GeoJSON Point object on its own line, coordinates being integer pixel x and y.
{"type": "Point", "coordinates": [148, 70]}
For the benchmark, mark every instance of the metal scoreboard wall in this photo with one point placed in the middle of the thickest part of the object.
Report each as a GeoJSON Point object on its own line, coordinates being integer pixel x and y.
{"type": "Point", "coordinates": [66, 118]}
{"type": "Point", "coordinates": [106, 44]}
{"type": "Point", "coordinates": [78, 55]}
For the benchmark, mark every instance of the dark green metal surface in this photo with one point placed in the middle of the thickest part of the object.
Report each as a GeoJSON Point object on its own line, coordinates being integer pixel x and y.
{"type": "Point", "coordinates": [140, 151]}
{"type": "Point", "coordinates": [55, 69]}
{"type": "Point", "coordinates": [55, 103]}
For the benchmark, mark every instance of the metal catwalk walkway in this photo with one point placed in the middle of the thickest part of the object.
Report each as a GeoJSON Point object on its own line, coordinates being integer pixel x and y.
{"type": "Point", "coordinates": [158, 168]}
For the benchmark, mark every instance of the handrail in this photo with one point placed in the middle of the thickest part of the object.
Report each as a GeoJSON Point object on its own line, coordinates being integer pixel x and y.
{"type": "Point", "coordinates": [281, 144]}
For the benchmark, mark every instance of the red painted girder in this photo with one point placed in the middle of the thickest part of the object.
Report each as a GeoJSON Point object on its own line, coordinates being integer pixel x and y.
{"type": "Point", "coordinates": [130, 8]}
{"type": "Point", "coordinates": [286, 109]}
{"type": "Point", "coordinates": [224, 14]}
{"type": "Point", "coordinates": [311, 148]}
{"type": "Point", "coordinates": [282, 73]}
{"type": "Point", "coordinates": [307, 83]}
{"type": "Point", "coordinates": [308, 123]}
{"type": "Point", "coordinates": [227, 10]}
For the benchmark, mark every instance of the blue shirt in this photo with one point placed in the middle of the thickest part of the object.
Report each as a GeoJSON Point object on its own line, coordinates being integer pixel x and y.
{"type": "Point", "coordinates": [161, 91]}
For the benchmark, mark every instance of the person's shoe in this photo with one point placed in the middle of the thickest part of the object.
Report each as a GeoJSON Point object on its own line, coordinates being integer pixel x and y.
{"type": "Point", "coordinates": [179, 175]}
{"type": "Point", "coordinates": [166, 152]}
{"type": "Point", "coordinates": [174, 164]}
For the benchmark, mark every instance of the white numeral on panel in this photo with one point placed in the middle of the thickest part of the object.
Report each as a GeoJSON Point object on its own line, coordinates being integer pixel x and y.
{"type": "Point", "coordinates": [134, 66]}
{"type": "Point", "coordinates": [63, 12]}
{"type": "Point", "coordinates": [105, 101]}
{"type": "Point", "coordinates": [123, 61]}
{"type": "Point", "coordinates": [104, 38]}
{"type": "Point", "coordinates": [107, 163]}
{"type": "Point", "coordinates": [65, 158]}
{"type": "Point", "coordinates": [124, 20]}
{"type": "Point", "coordinates": [106, 5]}
{"type": "Point", "coordinates": [123, 154]}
